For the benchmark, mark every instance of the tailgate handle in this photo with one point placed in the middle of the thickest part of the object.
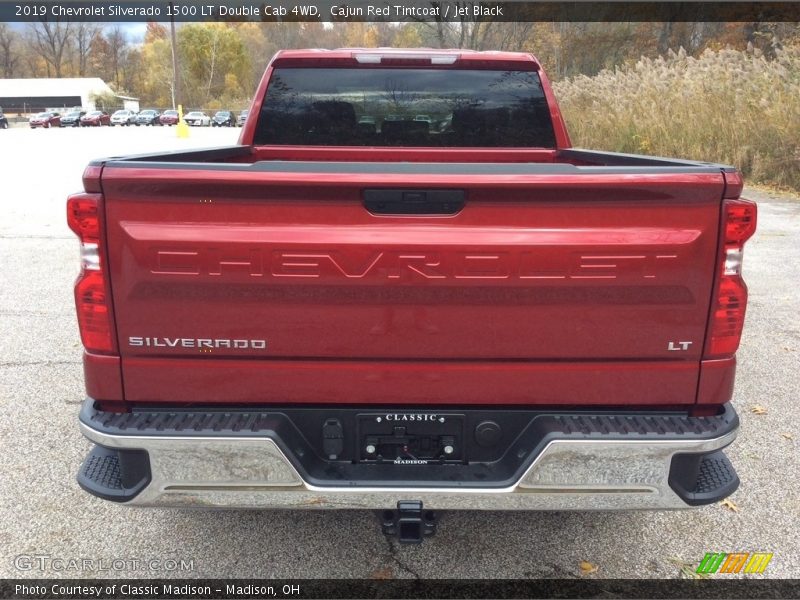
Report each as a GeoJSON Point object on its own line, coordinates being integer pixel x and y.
{"type": "Point", "coordinates": [414, 202]}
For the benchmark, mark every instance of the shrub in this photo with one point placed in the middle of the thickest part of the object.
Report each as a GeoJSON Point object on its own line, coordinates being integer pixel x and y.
{"type": "Point", "coordinates": [729, 106]}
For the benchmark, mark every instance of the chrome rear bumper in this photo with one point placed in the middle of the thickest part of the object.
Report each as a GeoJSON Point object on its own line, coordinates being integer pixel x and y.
{"type": "Point", "coordinates": [567, 474]}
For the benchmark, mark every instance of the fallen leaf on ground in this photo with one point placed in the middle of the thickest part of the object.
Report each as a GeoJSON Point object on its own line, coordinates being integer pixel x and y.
{"type": "Point", "coordinates": [757, 409]}
{"type": "Point", "coordinates": [788, 436]}
{"type": "Point", "coordinates": [730, 505]}
{"type": "Point", "coordinates": [384, 573]}
{"type": "Point", "coordinates": [588, 568]}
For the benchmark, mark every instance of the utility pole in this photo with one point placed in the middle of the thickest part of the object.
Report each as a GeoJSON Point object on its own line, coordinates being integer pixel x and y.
{"type": "Point", "coordinates": [176, 92]}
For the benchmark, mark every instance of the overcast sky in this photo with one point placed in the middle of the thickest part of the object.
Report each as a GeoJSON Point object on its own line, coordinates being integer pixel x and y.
{"type": "Point", "coordinates": [134, 31]}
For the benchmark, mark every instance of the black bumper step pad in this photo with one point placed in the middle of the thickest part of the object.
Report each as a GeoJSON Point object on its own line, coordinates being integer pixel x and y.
{"type": "Point", "coordinates": [703, 479]}
{"type": "Point", "coordinates": [116, 475]}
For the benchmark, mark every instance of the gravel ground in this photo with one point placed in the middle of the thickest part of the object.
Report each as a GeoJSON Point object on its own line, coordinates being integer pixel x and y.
{"type": "Point", "coordinates": [43, 512]}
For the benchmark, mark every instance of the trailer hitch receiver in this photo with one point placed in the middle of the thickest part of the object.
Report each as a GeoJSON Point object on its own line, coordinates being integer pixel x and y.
{"type": "Point", "coordinates": [410, 523]}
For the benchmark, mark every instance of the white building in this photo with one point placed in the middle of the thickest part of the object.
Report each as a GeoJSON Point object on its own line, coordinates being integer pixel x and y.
{"type": "Point", "coordinates": [35, 95]}
{"type": "Point", "coordinates": [129, 103]}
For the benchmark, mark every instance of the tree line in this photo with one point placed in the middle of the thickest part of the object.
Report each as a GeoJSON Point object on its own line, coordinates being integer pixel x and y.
{"type": "Point", "coordinates": [220, 63]}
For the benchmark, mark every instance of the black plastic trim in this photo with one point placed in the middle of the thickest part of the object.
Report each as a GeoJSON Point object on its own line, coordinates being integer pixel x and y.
{"type": "Point", "coordinates": [202, 162]}
{"type": "Point", "coordinates": [612, 159]}
{"type": "Point", "coordinates": [199, 155]}
{"type": "Point", "coordinates": [299, 434]}
{"type": "Point", "coordinates": [212, 159]}
{"type": "Point", "coordinates": [414, 201]}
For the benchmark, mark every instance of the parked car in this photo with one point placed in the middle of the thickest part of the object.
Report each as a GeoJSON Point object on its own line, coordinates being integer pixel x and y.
{"type": "Point", "coordinates": [367, 124]}
{"type": "Point", "coordinates": [223, 118]}
{"type": "Point", "coordinates": [242, 118]}
{"type": "Point", "coordinates": [96, 118]}
{"type": "Point", "coordinates": [123, 117]}
{"type": "Point", "coordinates": [3, 120]}
{"type": "Point", "coordinates": [168, 117]}
{"type": "Point", "coordinates": [72, 118]}
{"type": "Point", "coordinates": [147, 117]}
{"type": "Point", "coordinates": [45, 119]}
{"type": "Point", "coordinates": [569, 347]}
{"type": "Point", "coordinates": [424, 119]}
{"type": "Point", "coordinates": [197, 119]}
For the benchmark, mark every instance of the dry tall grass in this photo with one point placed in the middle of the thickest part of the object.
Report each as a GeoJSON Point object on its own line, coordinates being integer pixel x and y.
{"type": "Point", "coordinates": [729, 106]}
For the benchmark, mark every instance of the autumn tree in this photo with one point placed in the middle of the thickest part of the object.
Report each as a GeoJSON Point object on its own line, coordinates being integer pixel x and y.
{"type": "Point", "coordinates": [131, 72]}
{"type": "Point", "coordinates": [50, 40]}
{"type": "Point", "coordinates": [117, 48]}
{"type": "Point", "coordinates": [9, 58]}
{"type": "Point", "coordinates": [84, 37]}
{"type": "Point", "coordinates": [210, 53]}
{"type": "Point", "coordinates": [154, 31]}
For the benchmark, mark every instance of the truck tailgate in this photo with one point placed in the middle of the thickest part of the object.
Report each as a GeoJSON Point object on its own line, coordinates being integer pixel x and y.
{"type": "Point", "coordinates": [547, 288]}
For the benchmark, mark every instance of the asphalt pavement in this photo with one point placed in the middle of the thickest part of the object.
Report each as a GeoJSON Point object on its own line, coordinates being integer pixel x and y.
{"type": "Point", "coordinates": [44, 513]}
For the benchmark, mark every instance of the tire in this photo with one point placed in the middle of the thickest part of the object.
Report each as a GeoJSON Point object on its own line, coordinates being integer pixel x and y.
{"type": "Point", "coordinates": [4, 125]}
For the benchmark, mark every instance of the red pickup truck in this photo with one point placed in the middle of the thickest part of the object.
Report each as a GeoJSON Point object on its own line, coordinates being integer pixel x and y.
{"type": "Point", "coordinates": [404, 284]}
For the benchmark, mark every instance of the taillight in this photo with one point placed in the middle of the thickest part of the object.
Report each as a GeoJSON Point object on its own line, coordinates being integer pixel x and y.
{"type": "Point", "coordinates": [93, 314]}
{"type": "Point", "coordinates": [92, 298]}
{"type": "Point", "coordinates": [730, 295]}
{"type": "Point", "coordinates": [83, 217]}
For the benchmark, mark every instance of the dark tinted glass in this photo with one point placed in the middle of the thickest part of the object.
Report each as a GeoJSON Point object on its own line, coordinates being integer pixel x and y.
{"type": "Point", "coordinates": [405, 107]}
